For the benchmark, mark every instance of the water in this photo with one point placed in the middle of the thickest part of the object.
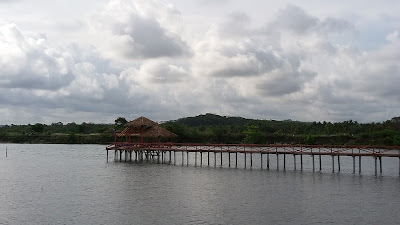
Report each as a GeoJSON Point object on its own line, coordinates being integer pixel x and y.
{"type": "Point", "coordinates": [74, 184]}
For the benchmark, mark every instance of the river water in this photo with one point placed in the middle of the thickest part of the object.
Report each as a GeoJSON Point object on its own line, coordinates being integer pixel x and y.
{"type": "Point", "coordinates": [75, 184]}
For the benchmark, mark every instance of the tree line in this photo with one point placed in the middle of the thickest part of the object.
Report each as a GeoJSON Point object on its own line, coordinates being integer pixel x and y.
{"type": "Point", "coordinates": [211, 128]}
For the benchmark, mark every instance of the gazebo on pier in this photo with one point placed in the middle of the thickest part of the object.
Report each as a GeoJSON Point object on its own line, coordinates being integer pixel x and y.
{"type": "Point", "coordinates": [144, 128]}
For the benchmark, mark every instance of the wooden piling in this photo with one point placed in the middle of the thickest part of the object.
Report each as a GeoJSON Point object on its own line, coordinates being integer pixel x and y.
{"type": "Point", "coordinates": [313, 163]}
{"type": "Point", "coordinates": [277, 161]}
{"type": "Point", "coordinates": [294, 161]}
{"type": "Point", "coordinates": [268, 161]}
{"type": "Point", "coordinates": [284, 161]}
{"type": "Point", "coordinates": [338, 161]}
{"type": "Point", "coordinates": [301, 161]}
{"type": "Point", "coordinates": [261, 164]}
{"type": "Point", "coordinates": [229, 158]}
{"type": "Point", "coordinates": [380, 164]}
{"type": "Point", "coordinates": [251, 160]}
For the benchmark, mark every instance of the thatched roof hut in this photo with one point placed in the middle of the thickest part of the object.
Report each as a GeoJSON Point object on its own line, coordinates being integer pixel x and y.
{"type": "Point", "coordinates": [145, 128]}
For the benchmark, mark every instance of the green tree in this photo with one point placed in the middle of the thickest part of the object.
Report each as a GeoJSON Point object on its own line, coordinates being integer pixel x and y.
{"type": "Point", "coordinates": [38, 127]}
{"type": "Point", "coordinates": [120, 121]}
{"type": "Point", "coordinates": [253, 135]}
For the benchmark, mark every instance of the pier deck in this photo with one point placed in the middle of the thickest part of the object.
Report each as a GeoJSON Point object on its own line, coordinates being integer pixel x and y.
{"type": "Point", "coordinates": [147, 150]}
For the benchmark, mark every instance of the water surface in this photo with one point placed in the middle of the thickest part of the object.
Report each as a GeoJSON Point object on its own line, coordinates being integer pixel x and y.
{"type": "Point", "coordinates": [74, 184]}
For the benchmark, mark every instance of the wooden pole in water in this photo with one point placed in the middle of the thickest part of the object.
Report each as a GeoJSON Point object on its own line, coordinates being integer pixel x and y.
{"type": "Point", "coordinates": [187, 158]}
{"type": "Point", "coordinates": [106, 150]}
{"type": "Point", "coordinates": [320, 164]}
{"type": "Point", "coordinates": [251, 160]}
{"type": "Point", "coordinates": [6, 153]}
{"type": "Point", "coordinates": [333, 164]}
{"type": "Point", "coordinates": [174, 157]}
{"type": "Point", "coordinates": [301, 161]}
{"type": "Point", "coordinates": [237, 154]}
{"type": "Point", "coordinates": [277, 161]}
{"type": "Point", "coordinates": [182, 157]}
{"type": "Point", "coordinates": [229, 158]}
{"type": "Point", "coordinates": [354, 164]}
{"type": "Point", "coordinates": [201, 158]}
{"type": "Point", "coordinates": [338, 162]}
{"type": "Point", "coordinates": [195, 158]}
{"type": "Point", "coordinates": [376, 172]}
{"type": "Point", "coordinates": [245, 161]}
{"type": "Point", "coordinates": [284, 161]}
{"type": "Point", "coordinates": [170, 153]}
{"type": "Point", "coordinates": [221, 159]}
{"type": "Point", "coordinates": [268, 161]}
{"type": "Point", "coordinates": [313, 163]}
{"type": "Point", "coordinates": [208, 158]}
{"type": "Point", "coordinates": [215, 159]}
{"type": "Point", "coordinates": [359, 164]}
{"type": "Point", "coordinates": [261, 161]}
{"type": "Point", "coordinates": [380, 164]}
{"type": "Point", "coordinates": [294, 161]}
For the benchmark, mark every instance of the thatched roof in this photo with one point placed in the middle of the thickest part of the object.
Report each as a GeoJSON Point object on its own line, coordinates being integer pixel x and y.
{"type": "Point", "coordinates": [145, 128]}
{"type": "Point", "coordinates": [141, 122]}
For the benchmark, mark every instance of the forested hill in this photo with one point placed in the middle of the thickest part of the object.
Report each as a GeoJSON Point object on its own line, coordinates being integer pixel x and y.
{"type": "Point", "coordinates": [212, 120]}
{"type": "Point", "coordinates": [222, 129]}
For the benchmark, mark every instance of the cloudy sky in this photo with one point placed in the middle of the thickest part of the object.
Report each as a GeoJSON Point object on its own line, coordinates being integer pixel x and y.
{"type": "Point", "coordinates": [95, 60]}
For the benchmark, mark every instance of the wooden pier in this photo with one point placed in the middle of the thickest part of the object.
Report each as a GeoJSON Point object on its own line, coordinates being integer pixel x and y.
{"type": "Point", "coordinates": [160, 151]}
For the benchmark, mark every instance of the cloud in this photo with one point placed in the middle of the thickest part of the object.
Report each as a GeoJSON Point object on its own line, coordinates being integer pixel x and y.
{"type": "Point", "coordinates": [27, 62]}
{"type": "Point", "coordinates": [138, 30]}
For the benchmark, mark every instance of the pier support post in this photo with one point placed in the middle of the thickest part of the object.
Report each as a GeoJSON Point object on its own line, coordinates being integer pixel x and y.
{"type": "Point", "coordinates": [120, 155]}
{"type": "Point", "coordinates": [284, 161]}
{"type": "Point", "coordinates": [208, 158]}
{"type": "Point", "coordinates": [215, 159]}
{"type": "Point", "coordinates": [359, 164]}
{"type": "Point", "coordinates": [229, 158]}
{"type": "Point", "coordinates": [251, 160]}
{"type": "Point", "coordinates": [338, 162]}
{"type": "Point", "coordinates": [107, 155]}
{"type": "Point", "coordinates": [170, 153]}
{"type": "Point", "coordinates": [354, 164]}
{"type": "Point", "coordinates": [195, 158]}
{"type": "Point", "coordinates": [221, 159]}
{"type": "Point", "coordinates": [376, 169]}
{"type": "Point", "coordinates": [320, 164]}
{"type": "Point", "coordinates": [174, 157]}
{"type": "Point", "coordinates": [261, 164]}
{"type": "Point", "coordinates": [182, 158]}
{"type": "Point", "coordinates": [187, 158]}
{"type": "Point", "coordinates": [294, 161]}
{"type": "Point", "coordinates": [380, 164]}
{"type": "Point", "coordinates": [277, 161]}
{"type": "Point", "coordinates": [313, 163]}
{"type": "Point", "coordinates": [245, 161]}
{"type": "Point", "coordinates": [333, 164]}
{"type": "Point", "coordinates": [237, 160]}
{"type": "Point", "coordinates": [301, 161]}
{"type": "Point", "coordinates": [268, 161]}
{"type": "Point", "coordinates": [201, 158]}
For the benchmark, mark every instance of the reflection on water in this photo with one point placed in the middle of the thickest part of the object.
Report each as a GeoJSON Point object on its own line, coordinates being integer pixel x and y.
{"type": "Point", "coordinates": [73, 184]}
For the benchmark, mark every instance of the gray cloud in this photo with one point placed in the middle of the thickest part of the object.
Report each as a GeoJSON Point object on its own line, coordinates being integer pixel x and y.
{"type": "Point", "coordinates": [130, 31]}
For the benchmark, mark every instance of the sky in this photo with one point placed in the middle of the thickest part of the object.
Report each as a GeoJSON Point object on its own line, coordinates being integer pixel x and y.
{"type": "Point", "coordinates": [96, 60]}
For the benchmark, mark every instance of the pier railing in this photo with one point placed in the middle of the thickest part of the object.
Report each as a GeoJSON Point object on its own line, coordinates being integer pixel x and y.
{"type": "Point", "coordinates": [335, 150]}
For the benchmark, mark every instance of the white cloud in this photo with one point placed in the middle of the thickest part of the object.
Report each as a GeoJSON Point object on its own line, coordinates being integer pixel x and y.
{"type": "Point", "coordinates": [27, 62]}
{"type": "Point", "coordinates": [138, 30]}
